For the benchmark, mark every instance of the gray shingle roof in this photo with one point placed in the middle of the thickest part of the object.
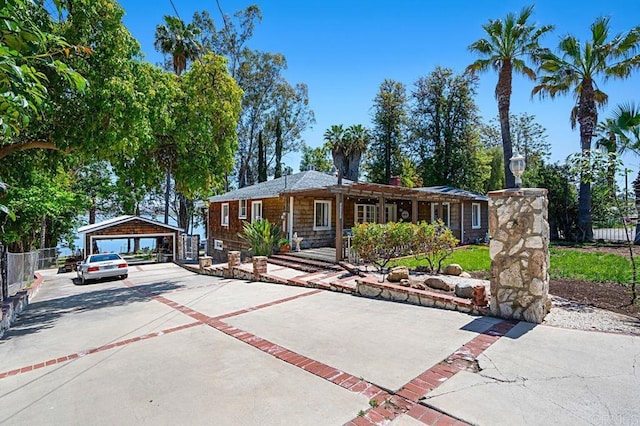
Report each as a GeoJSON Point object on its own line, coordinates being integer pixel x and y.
{"type": "Point", "coordinates": [453, 191]}
{"type": "Point", "coordinates": [273, 188]}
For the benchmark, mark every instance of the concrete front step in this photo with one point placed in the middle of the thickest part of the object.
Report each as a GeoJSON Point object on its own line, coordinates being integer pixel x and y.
{"type": "Point", "coordinates": [307, 262]}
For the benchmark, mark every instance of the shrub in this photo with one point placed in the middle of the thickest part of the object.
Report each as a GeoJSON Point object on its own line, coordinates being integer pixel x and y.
{"type": "Point", "coordinates": [261, 236]}
{"type": "Point", "coordinates": [377, 244]}
{"type": "Point", "coordinates": [435, 241]}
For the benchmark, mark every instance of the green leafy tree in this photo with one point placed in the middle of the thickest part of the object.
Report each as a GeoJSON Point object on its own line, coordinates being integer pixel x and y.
{"type": "Point", "coordinates": [33, 58]}
{"type": "Point", "coordinates": [576, 70]}
{"type": "Point", "coordinates": [389, 132]}
{"type": "Point", "coordinates": [316, 159]}
{"type": "Point", "coordinates": [443, 130]}
{"type": "Point", "coordinates": [509, 42]}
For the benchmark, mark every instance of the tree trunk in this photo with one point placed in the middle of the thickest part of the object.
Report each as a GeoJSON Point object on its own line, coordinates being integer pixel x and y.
{"type": "Point", "coordinates": [262, 159]}
{"type": "Point", "coordinates": [92, 212]}
{"type": "Point", "coordinates": [587, 118]}
{"type": "Point", "coordinates": [353, 166]}
{"type": "Point", "coordinates": [278, 167]}
{"type": "Point", "coordinates": [183, 212]}
{"type": "Point", "coordinates": [503, 95]}
{"type": "Point", "coordinates": [636, 189]}
{"type": "Point", "coordinates": [387, 159]}
{"type": "Point", "coordinates": [43, 232]}
{"type": "Point", "coordinates": [166, 198]}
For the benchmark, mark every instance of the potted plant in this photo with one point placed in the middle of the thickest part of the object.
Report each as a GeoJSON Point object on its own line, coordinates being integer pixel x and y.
{"type": "Point", "coordinates": [285, 245]}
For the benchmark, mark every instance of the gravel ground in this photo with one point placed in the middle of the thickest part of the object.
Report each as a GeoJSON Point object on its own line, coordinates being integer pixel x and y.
{"type": "Point", "coordinates": [569, 314]}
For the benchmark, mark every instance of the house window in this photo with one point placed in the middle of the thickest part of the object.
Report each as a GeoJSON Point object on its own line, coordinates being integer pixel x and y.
{"type": "Point", "coordinates": [256, 210]}
{"type": "Point", "coordinates": [435, 213]}
{"type": "Point", "coordinates": [366, 213]}
{"type": "Point", "coordinates": [242, 209]}
{"type": "Point", "coordinates": [475, 216]}
{"type": "Point", "coordinates": [322, 215]}
{"type": "Point", "coordinates": [224, 215]}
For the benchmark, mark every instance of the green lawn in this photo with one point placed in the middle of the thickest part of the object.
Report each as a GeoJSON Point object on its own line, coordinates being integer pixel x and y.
{"type": "Point", "coordinates": [565, 263]}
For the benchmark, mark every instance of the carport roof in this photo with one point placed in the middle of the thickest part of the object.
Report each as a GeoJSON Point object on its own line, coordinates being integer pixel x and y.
{"type": "Point", "coordinates": [120, 220]}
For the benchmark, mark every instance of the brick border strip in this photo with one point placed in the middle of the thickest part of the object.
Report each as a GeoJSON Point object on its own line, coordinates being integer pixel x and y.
{"type": "Point", "coordinates": [407, 399]}
{"type": "Point", "coordinates": [103, 348]}
{"type": "Point", "coordinates": [385, 405]}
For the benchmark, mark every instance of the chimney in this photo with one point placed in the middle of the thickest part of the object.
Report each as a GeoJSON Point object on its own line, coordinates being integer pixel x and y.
{"type": "Point", "coordinates": [395, 181]}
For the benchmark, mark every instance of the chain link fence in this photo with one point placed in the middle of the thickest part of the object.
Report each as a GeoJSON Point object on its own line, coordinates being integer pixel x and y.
{"type": "Point", "coordinates": [21, 267]}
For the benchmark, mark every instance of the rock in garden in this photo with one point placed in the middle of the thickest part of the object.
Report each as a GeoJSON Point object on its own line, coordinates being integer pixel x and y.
{"type": "Point", "coordinates": [439, 284]}
{"type": "Point", "coordinates": [465, 275]}
{"type": "Point", "coordinates": [464, 289]}
{"type": "Point", "coordinates": [398, 273]}
{"type": "Point", "coordinates": [453, 269]}
{"type": "Point", "coordinates": [404, 283]}
{"type": "Point", "coordinates": [418, 285]}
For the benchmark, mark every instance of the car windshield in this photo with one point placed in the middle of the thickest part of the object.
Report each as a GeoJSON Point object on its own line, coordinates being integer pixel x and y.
{"type": "Point", "coordinates": [104, 257]}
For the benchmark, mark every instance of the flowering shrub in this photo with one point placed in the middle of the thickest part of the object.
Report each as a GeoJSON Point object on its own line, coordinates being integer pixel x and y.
{"type": "Point", "coordinates": [435, 242]}
{"type": "Point", "coordinates": [377, 243]}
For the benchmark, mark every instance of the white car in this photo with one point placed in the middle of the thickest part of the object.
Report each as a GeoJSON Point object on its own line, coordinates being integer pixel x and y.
{"type": "Point", "coordinates": [98, 266]}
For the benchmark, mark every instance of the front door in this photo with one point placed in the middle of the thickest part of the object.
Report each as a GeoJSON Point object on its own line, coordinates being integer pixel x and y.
{"type": "Point", "coordinates": [391, 212]}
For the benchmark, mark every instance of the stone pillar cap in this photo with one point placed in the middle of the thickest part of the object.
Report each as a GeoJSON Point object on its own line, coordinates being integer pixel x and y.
{"type": "Point", "coordinates": [518, 192]}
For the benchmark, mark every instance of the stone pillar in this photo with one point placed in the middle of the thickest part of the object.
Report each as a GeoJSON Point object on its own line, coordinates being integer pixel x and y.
{"type": "Point", "coordinates": [233, 261]}
{"type": "Point", "coordinates": [519, 253]}
{"type": "Point", "coordinates": [259, 266]}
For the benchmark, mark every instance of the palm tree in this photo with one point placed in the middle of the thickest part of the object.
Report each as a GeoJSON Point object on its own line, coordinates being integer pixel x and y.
{"type": "Point", "coordinates": [178, 40]}
{"type": "Point", "coordinates": [357, 137]}
{"type": "Point", "coordinates": [347, 147]}
{"type": "Point", "coordinates": [509, 41]}
{"type": "Point", "coordinates": [576, 70]}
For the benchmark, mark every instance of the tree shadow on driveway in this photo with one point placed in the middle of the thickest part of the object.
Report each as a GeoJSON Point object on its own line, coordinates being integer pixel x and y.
{"type": "Point", "coordinates": [44, 314]}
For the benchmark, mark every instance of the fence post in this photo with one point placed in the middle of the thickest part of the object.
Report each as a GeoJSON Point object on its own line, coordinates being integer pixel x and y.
{"type": "Point", "coordinates": [4, 294]}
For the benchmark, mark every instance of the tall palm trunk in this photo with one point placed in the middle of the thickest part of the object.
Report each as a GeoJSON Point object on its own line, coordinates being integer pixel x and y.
{"type": "Point", "coordinates": [587, 118]}
{"type": "Point", "coordinates": [503, 95]}
{"type": "Point", "coordinates": [636, 189]}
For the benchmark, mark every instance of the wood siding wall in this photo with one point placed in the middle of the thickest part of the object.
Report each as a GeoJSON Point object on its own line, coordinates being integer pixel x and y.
{"type": "Point", "coordinates": [272, 209]}
{"type": "Point", "coordinates": [303, 221]}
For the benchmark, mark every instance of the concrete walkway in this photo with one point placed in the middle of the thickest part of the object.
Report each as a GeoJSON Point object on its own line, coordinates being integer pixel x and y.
{"type": "Point", "coordinates": [168, 346]}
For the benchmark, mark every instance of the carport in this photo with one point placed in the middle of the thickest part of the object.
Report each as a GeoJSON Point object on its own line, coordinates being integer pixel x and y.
{"type": "Point", "coordinates": [132, 227]}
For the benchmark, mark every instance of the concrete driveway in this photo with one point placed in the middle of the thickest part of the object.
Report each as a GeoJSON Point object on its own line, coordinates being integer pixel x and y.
{"type": "Point", "coordinates": [167, 346]}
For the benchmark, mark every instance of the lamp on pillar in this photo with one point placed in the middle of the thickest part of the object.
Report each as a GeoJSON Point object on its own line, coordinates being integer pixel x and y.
{"type": "Point", "coordinates": [517, 166]}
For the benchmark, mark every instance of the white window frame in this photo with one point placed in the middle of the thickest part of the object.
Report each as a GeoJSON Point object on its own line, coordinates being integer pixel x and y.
{"type": "Point", "coordinates": [327, 218]}
{"type": "Point", "coordinates": [476, 216]}
{"type": "Point", "coordinates": [224, 219]}
{"type": "Point", "coordinates": [242, 212]}
{"type": "Point", "coordinates": [365, 207]}
{"type": "Point", "coordinates": [447, 213]}
{"type": "Point", "coordinates": [255, 217]}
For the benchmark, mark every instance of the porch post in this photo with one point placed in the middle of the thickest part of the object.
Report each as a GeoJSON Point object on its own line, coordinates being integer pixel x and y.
{"type": "Point", "coordinates": [381, 213]}
{"type": "Point", "coordinates": [291, 221]}
{"type": "Point", "coordinates": [462, 222]}
{"type": "Point", "coordinates": [414, 210]}
{"type": "Point", "coordinates": [441, 210]}
{"type": "Point", "coordinates": [339, 227]}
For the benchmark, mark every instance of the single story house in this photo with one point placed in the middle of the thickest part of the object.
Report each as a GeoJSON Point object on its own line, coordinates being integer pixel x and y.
{"type": "Point", "coordinates": [314, 206]}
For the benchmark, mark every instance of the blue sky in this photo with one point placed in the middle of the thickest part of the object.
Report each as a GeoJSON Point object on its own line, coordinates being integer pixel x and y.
{"type": "Point", "coordinates": [343, 50]}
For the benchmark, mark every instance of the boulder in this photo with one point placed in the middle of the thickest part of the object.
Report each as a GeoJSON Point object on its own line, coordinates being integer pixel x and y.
{"type": "Point", "coordinates": [398, 273]}
{"type": "Point", "coordinates": [438, 283]}
{"type": "Point", "coordinates": [465, 275]}
{"type": "Point", "coordinates": [465, 290]}
{"type": "Point", "coordinates": [453, 269]}
{"type": "Point", "coordinates": [404, 283]}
